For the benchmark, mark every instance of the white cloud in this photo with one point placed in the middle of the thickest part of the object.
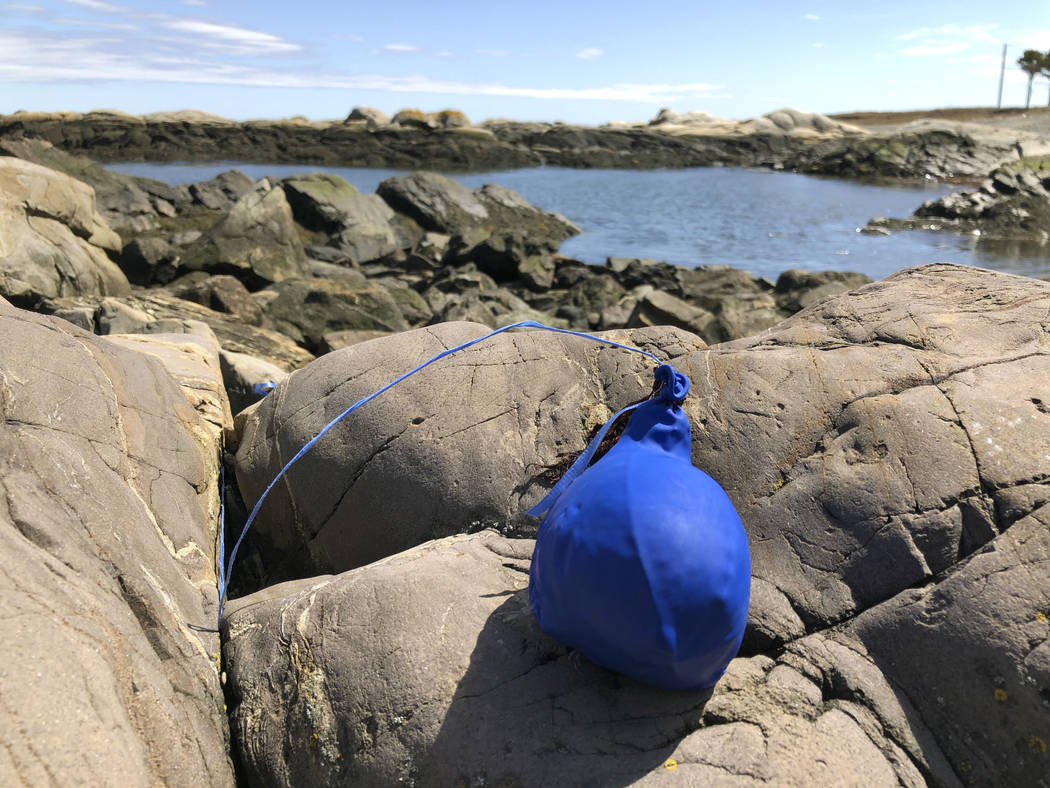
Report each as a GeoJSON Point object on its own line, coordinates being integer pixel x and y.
{"type": "Point", "coordinates": [92, 23]}
{"type": "Point", "coordinates": [818, 45]}
{"type": "Point", "coordinates": [249, 41]}
{"type": "Point", "coordinates": [935, 49]}
{"type": "Point", "coordinates": [32, 9]}
{"type": "Point", "coordinates": [401, 48]}
{"type": "Point", "coordinates": [969, 33]}
{"type": "Point", "coordinates": [42, 58]}
{"type": "Point", "coordinates": [590, 53]}
{"type": "Point", "coordinates": [195, 2]}
{"type": "Point", "coordinates": [97, 5]}
{"type": "Point", "coordinates": [811, 17]}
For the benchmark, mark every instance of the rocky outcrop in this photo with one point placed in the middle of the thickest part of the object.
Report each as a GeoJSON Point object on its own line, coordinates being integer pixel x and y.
{"type": "Point", "coordinates": [492, 227]}
{"type": "Point", "coordinates": [923, 149]}
{"type": "Point", "coordinates": [108, 516]}
{"type": "Point", "coordinates": [428, 668]}
{"type": "Point", "coordinates": [256, 241]}
{"type": "Point", "coordinates": [1009, 205]}
{"type": "Point", "coordinates": [154, 311]}
{"type": "Point", "coordinates": [361, 226]}
{"type": "Point", "coordinates": [885, 449]}
{"type": "Point", "coordinates": [52, 240]}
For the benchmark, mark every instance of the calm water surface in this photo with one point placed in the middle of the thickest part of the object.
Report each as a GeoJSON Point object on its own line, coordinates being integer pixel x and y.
{"type": "Point", "coordinates": [764, 222]}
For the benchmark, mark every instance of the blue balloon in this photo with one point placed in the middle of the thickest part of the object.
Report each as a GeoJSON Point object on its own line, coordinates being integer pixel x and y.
{"type": "Point", "coordinates": [642, 563]}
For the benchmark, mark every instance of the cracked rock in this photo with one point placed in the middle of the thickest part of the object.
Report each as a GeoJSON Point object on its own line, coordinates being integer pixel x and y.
{"type": "Point", "coordinates": [108, 513]}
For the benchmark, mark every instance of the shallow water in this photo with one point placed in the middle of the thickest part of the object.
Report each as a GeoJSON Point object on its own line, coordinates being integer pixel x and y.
{"type": "Point", "coordinates": [764, 222]}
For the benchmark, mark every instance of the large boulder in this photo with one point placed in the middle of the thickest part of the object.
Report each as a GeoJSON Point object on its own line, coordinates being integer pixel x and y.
{"type": "Point", "coordinates": [108, 518]}
{"type": "Point", "coordinates": [428, 668]}
{"type": "Point", "coordinates": [222, 192]}
{"type": "Point", "coordinates": [493, 226]}
{"type": "Point", "coordinates": [361, 222]}
{"type": "Point", "coordinates": [256, 241]}
{"type": "Point", "coordinates": [467, 440]}
{"type": "Point", "coordinates": [53, 242]}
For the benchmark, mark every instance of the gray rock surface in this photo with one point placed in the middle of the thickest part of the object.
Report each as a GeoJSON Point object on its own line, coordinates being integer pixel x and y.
{"type": "Point", "coordinates": [256, 241]}
{"type": "Point", "coordinates": [467, 440]}
{"type": "Point", "coordinates": [307, 309]}
{"type": "Point", "coordinates": [428, 668]}
{"type": "Point", "coordinates": [361, 223]}
{"type": "Point", "coordinates": [154, 311]}
{"type": "Point", "coordinates": [1009, 205]}
{"type": "Point", "coordinates": [241, 373]}
{"type": "Point", "coordinates": [108, 511]}
{"type": "Point", "coordinates": [149, 260]}
{"type": "Point", "coordinates": [53, 242]}
{"type": "Point", "coordinates": [222, 293]}
{"type": "Point", "coordinates": [222, 192]}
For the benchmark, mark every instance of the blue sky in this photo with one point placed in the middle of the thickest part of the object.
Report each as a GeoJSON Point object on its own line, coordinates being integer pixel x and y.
{"type": "Point", "coordinates": [581, 62]}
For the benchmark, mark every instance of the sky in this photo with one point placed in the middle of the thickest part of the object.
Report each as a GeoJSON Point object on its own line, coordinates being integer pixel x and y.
{"type": "Point", "coordinates": [578, 62]}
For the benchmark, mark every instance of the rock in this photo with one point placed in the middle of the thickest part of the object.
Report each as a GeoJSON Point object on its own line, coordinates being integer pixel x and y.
{"type": "Point", "coordinates": [108, 531]}
{"type": "Point", "coordinates": [222, 293]}
{"type": "Point", "coordinates": [154, 311]}
{"type": "Point", "coordinates": [413, 118]}
{"type": "Point", "coordinates": [797, 289]}
{"type": "Point", "coordinates": [124, 201]}
{"type": "Point", "coordinates": [492, 226]}
{"type": "Point", "coordinates": [1008, 206]}
{"type": "Point", "coordinates": [192, 360]}
{"type": "Point", "coordinates": [373, 117]}
{"type": "Point", "coordinates": [241, 373]}
{"type": "Point", "coordinates": [149, 260]}
{"type": "Point", "coordinates": [632, 272]}
{"type": "Point", "coordinates": [52, 240]}
{"type": "Point", "coordinates": [428, 668]}
{"type": "Point", "coordinates": [256, 241]}
{"type": "Point", "coordinates": [185, 237]}
{"type": "Point", "coordinates": [307, 309]}
{"type": "Point", "coordinates": [972, 652]}
{"type": "Point", "coordinates": [361, 223]}
{"type": "Point", "coordinates": [437, 203]}
{"type": "Point", "coordinates": [927, 148]}
{"type": "Point", "coordinates": [337, 340]}
{"type": "Point", "coordinates": [221, 192]}
{"type": "Point", "coordinates": [662, 309]}
{"type": "Point", "coordinates": [530, 399]}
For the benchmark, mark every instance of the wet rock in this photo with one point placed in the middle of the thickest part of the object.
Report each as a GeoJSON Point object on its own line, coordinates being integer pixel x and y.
{"type": "Point", "coordinates": [256, 241]}
{"type": "Point", "coordinates": [1008, 206]}
{"type": "Point", "coordinates": [108, 530]}
{"type": "Point", "coordinates": [53, 242]}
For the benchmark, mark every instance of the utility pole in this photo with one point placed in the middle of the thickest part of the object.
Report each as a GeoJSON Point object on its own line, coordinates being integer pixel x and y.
{"type": "Point", "coordinates": [1002, 73]}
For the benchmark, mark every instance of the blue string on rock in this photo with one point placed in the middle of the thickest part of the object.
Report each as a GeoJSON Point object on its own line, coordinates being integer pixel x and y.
{"type": "Point", "coordinates": [224, 580]}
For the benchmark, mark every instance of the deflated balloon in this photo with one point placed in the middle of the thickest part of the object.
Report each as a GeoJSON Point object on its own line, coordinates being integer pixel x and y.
{"type": "Point", "coordinates": [641, 562]}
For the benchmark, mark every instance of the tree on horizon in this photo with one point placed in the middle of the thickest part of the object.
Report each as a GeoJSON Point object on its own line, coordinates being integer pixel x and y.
{"type": "Point", "coordinates": [1032, 62]}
